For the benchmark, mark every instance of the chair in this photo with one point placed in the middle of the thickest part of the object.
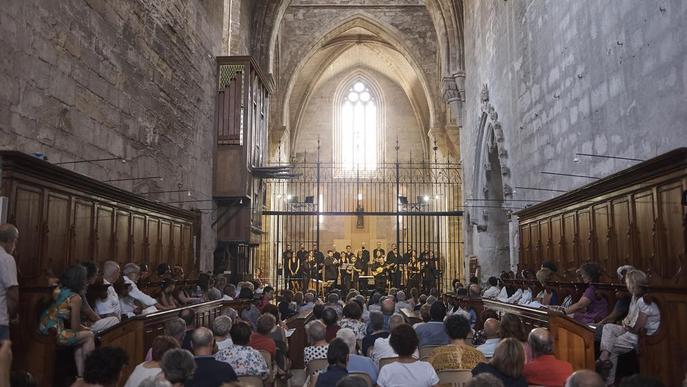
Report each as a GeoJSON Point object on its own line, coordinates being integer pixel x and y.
{"type": "Point", "coordinates": [250, 381]}
{"type": "Point", "coordinates": [454, 378]}
{"type": "Point", "coordinates": [427, 350]}
{"type": "Point", "coordinates": [386, 360]}
{"type": "Point", "coordinates": [316, 365]}
{"type": "Point", "coordinates": [363, 376]}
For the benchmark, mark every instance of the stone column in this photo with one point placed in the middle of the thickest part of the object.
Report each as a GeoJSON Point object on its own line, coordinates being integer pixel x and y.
{"type": "Point", "coordinates": [453, 90]}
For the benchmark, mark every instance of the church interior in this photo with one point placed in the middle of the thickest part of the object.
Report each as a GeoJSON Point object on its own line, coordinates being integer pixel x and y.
{"type": "Point", "coordinates": [343, 193]}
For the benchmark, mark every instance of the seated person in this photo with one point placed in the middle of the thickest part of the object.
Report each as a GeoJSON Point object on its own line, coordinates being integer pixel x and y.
{"type": "Point", "coordinates": [491, 333]}
{"type": "Point", "coordinates": [177, 367]}
{"type": "Point", "coordinates": [474, 290]}
{"type": "Point", "coordinates": [585, 378]}
{"type": "Point", "coordinates": [189, 317]}
{"type": "Point", "coordinates": [458, 354]}
{"type": "Point", "coordinates": [104, 368]}
{"type": "Point", "coordinates": [382, 348]}
{"type": "Point", "coordinates": [267, 297]}
{"type": "Point", "coordinates": [333, 302]}
{"type": "Point", "coordinates": [122, 289]}
{"type": "Point", "coordinates": [433, 332]}
{"type": "Point", "coordinates": [548, 296]}
{"type": "Point", "coordinates": [329, 318]}
{"type": "Point", "coordinates": [245, 360]}
{"type": "Point", "coordinates": [175, 328]}
{"type": "Point", "coordinates": [209, 372]}
{"type": "Point", "coordinates": [401, 302]}
{"type": "Point", "coordinates": [229, 292]}
{"type": "Point", "coordinates": [590, 308]}
{"type": "Point", "coordinates": [511, 326]}
{"type": "Point", "coordinates": [285, 305]}
{"type": "Point", "coordinates": [92, 319]}
{"type": "Point", "coordinates": [166, 297]}
{"type": "Point", "coordinates": [221, 327]}
{"type": "Point", "coordinates": [621, 306]}
{"type": "Point", "coordinates": [337, 357]}
{"type": "Point", "coordinates": [619, 339]}
{"type": "Point", "coordinates": [376, 325]}
{"type": "Point", "coordinates": [478, 338]}
{"type": "Point", "coordinates": [493, 289]}
{"type": "Point", "coordinates": [147, 369]}
{"type": "Point", "coordinates": [131, 275]}
{"type": "Point", "coordinates": [250, 313]}
{"type": "Point", "coordinates": [357, 363]}
{"type": "Point", "coordinates": [317, 349]}
{"type": "Point", "coordinates": [506, 364]}
{"type": "Point", "coordinates": [309, 302]}
{"type": "Point", "coordinates": [407, 370]}
{"type": "Point", "coordinates": [352, 313]}
{"type": "Point", "coordinates": [64, 316]}
{"type": "Point", "coordinates": [260, 339]}
{"type": "Point", "coordinates": [109, 306]}
{"type": "Point", "coordinates": [544, 368]}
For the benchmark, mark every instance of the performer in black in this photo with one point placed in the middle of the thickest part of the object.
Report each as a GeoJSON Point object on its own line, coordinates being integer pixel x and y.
{"type": "Point", "coordinates": [331, 267]}
{"type": "Point", "coordinates": [319, 257]}
{"type": "Point", "coordinates": [414, 269]}
{"type": "Point", "coordinates": [379, 271]}
{"type": "Point", "coordinates": [292, 266]}
{"type": "Point", "coordinates": [306, 271]}
{"type": "Point", "coordinates": [430, 271]}
{"type": "Point", "coordinates": [379, 251]}
{"type": "Point", "coordinates": [302, 257]}
{"type": "Point", "coordinates": [393, 263]}
{"type": "Point", "coordinates": [337, 258]}
{"type": "Point", "coordinates": [364, 256]}
{"type": "Point", "coordinates": [361, 269]}
{"type": "Point", "coordinates": [346, 268]}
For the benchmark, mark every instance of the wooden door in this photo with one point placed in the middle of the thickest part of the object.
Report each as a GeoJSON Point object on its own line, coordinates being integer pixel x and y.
{"type": "Point", "coordinates": [82, 231]}
{"type": "Point", "coordinates": [56, 236]}
{"type": "Point", "coordinates": [122, 236]}
{"type": "Point", "coordinates": [104, 234]}
{"type": "Point", "coordinates": [27, 218]}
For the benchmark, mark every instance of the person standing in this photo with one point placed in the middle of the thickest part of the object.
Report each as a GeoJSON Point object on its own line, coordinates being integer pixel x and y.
{"type": "Point", "coordinates": [9, 286]}
{"type": "Point", "coordinates": [331, 267]}
{"type": "Point", "coordinates": [393, 265]}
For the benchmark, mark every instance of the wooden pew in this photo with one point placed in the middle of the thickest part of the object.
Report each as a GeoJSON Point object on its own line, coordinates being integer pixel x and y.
{"type": "Point", "coordinates": [136, 335]}
{"type": "Point", "coordinates": [298, 339]}
{"type": "Point", "coordinates": [573, 342]}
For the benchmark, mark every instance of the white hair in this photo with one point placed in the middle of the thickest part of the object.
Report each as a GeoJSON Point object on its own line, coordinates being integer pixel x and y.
{"type": "Point", "coordinates": [130, 268]}
{"type": "Point", "coordinates": [110, 268]}
{"type": "Point", "coordinates": [348, 337]}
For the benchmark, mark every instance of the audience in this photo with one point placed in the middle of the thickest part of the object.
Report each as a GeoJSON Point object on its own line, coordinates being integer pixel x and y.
{"type": "Point", "coordinates": [376, 326]}
{"type": "Point", "coordinates": [352, 313]}
{"type": "Point", "coordinates": [209, 371]}
{"type": "Point", "coordinates": [189, 317]}
{"type": "Point", "coordinates": [584, 378]}
{"type": "Point", "coordinates": [91, 318]}
{"type": "Point", "coordinates": [131, 274]}
{"type": "Point", "coordinates": [433, 332]}
{"type": "Point", "coordinates": [286, 309]}
{"type": "Point", "coordinates": [352, 381]}
{"type": "Point", "coordinates": [357, 363]}
{"type": "Point", "coordinates": [177, 367]}
{"type": "Point", "coordinates": [491, 333]}
{"type": "Point", "coordinates": [317, 349]}
{"type": "Point", "coordinates": [493, 289]}
{"type": "Point", "coordinates": [484, 380]}
{"type": "Point", "coordinates": [260, 339]}
{"type": "Point", "coordinates": [329, 318]}
{"type": "Point", "coordinates": [337, 357]}
{"type": "Point", "coordinates": [245, 360]}
{"type": "Point", "coordinates": [382, 348]}
{"type": "Point", "coordinates": [65, 310]}
{"type": "Point", "coordinates": [591, 307]}
{"type": "Point", "coordinates": [388, 307]}
{"type": "Point", "coordinates": [407, 370]}
{"type": "Point", "coordinates": [110, 305]}
{"type": "Point", "coordinates": [161, 345]}
{"type": "Point", "coordinates": [166, 298]}
{"type": "Point", "coordinates": [401, 302]}
{"type": "Point", "coordinates": [544, 368]}
{"type": "Point", "coordinates": [458, 354]}
{"type": "Point", "coordinates": [175, 328]}
{"type": "Point", "coordinates": [619, 339]}
{"type": "Point", "coordinates": [506, 364]}
{"type": "Point", "coordinates": [267, 297]}
{"type": "Point", "coordinates": [221, 327]}
{"type": "Point", "coordinates": [511, 326]}
{"type": "Point", "coordinates": [309, 299]}
{"type": "Point", "coordinates": [103, 368]}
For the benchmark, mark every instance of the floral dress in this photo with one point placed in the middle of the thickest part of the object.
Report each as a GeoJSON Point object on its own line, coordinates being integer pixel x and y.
{"type": "Point", "coordinates": [358, 327]}
{"type": "Point", "coordinates": [55, 316]}
{"type": "Point", "coordinates": [245, 360]}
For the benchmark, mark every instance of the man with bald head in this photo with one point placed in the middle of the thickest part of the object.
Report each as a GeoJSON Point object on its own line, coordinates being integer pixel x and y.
{"type": "Point", "coordinates": [544, 368]}
{"type": "Point", "coordinates": [585, 378]}
{"type": "Point", "coordinates": [382, 349]}
{"type": "Point", "coordinates": [388, 308]}
{"type": "Point", "coordinates": [9, 286]}
{"type": "Point", "coordinates": [491, 332]}
{"type": "Point", "coordinates": [110, 307]}
{"type": "Point", "coordinates": [209, 372]}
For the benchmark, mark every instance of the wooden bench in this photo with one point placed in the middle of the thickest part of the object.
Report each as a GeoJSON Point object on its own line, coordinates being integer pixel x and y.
{"type": "Point", "coordinates": [298, 339]}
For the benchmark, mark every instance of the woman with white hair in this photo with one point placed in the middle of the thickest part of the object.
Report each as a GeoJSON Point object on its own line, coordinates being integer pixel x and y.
{"type": "Point", "coordinates": [619, 339]}
{"type": "Point", "coordinates": [356, 363]}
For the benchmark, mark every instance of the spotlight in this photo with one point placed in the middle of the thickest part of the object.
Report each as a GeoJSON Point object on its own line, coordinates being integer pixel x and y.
{"type": "Point", "coordinates": [425, 198]}
{"type": "Point", "coordinates": [289, 197]}
{"type": "Point", "coordinates": [360, 196]}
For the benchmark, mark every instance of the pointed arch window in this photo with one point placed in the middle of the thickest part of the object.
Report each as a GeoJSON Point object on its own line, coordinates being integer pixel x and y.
{"type": "Point", "coordinates": [359, 129]}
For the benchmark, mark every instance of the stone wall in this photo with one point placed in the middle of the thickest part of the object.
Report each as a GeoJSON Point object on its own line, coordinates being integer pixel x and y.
{"type": "Point", "coordinates": [601, 77]}
{"type": "Point", "coordinates": [87, 79]}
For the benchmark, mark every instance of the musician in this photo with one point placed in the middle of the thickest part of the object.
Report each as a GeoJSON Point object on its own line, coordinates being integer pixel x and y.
{"type": "Point", "coordinates": [354, 269]}
{"type": "Point", "coordinates": [337, 258]}
{"type": "Point", "coordinates": [430, 271]}
{"type": "Point", "coordinates": [379, 251]}
{"type": "Point", "coordinates": [331, 267]}
{"type": "Point", "coordinates": [379, 271]}
{"type": "Point", "coordinates": [364, 255]}
{"type": "Point", "coordinates": [393, 263]}
{"type": "Point", "coordinates": [345, 268]}
{"type": "Point", "coordinates": [413, 270]}
{"type": "Point", "coordinates": [424, 255]}
{"type": "Point", "coordinates": [361, 267]}
{"type": "Point", "coordinates": [307, 270]}
{"type": "Point", "coordinates": [292, 267]}
{"type": "Point", "coordinates": [319, 257]}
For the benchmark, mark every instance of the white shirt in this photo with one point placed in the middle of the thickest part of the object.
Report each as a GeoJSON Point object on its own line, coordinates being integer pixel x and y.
{"type": "Point", "coordinates": [136, 294]}
{"type": "Point", "coordinates": [488, 347]}
{"type": "Point", "coordinates": [109, 306]}
{"type": "Point", "coordinates": [492, 292]}
{"type": "Point", "coordinates": [637, 305]}
{"type": "Point", "coordinates": [381, 349]}
{"type": "Point", "coordinates": [308, 306]}
{"type": "Point", "coordinates": [526, 297]}
{"type": "Point", "coordinates": [226, 343]}
{"type": "Point", "coordinates": [503, 295]}
{"type": "Point", "coordinates": [140, 374]}
{"type": "Point", "coordinates": [227, 298]}
{"type": "Point", "coordinates": [8, 279]}
{"type": "Point", "coordinates": [417, 374]}
{"type": "Point", "coordinates": [402, 304]}
{"type": "Point", "coordinates": [515, 297]}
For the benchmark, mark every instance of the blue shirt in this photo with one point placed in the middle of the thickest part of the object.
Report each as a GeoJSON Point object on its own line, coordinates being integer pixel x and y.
{"type": "Point", "coordinates": [357, 363]}
{"type": "Point", "coordinates": [211, 373]}
{"type": "Point", "coordinates": [332, 376]}
{"type": "Point", "coordinates": [431, 333]}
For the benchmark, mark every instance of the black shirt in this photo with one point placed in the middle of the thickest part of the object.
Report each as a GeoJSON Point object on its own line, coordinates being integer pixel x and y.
{"type": "Point", "coordinates": [211, 373]}
{"type": "Point", "coordinates": [332, 376]}
{"type": "Point", "coordinates": [507, 380]}
{"type": "Point", "coordinates": [369, 340]}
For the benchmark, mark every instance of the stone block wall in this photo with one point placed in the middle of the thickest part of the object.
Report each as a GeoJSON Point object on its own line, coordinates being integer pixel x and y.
{"type": "Point", "coordinates": [87, 79]}
{"type": "Point", "coordinates": [601, 77]}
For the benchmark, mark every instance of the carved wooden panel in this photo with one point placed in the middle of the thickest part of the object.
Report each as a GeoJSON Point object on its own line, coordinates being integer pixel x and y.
{"type": "Point", "coordinates": [535, 242]}
{"type": "Point", "coordinates": [165, 241]}
{"type": "Point", "coordinates": [103, 233]}
{"type": "Point", "coordinates": [584, 236]}
{"type": "Point", "coordinates": [56, 245]}
{"type": "Point", "coordinates": [622, 234]}
{"type": "Point", "coordinates": [122, 235]}
{"type": "Point", "coordinates": [153, 241]}
{"type": "Point", "coordinates": [176, 254]}
{"type": "Point", "coordinates": [557, 241]}
{"type": "Point", "coordinates": [82, 231]}
{"type": "Point", "coordinates": [526, 244]}
{"type": "Point", "coordinates": [187, 249]}
{"type": "Point", "coordinates": [545, 232]}
{"type": "Point", "coordinates": [602, 234]}
{"type": "Point", "coordinates": [138, 238]}
{"type": "Point", "coordinates": [645, 221]}
{"type": "Point", "coordinates": [27, 202]}
{"type": "Point", "coordinates": [570, 240]}
{"type": "Point", "coordinates": [673, 220]}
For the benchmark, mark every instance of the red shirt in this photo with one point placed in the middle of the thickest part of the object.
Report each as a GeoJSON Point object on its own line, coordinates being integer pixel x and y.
{"type": "Point", "coordinates": [548, 371]}
{"type": "Point", "coordinates": [263, 343]}
{"type": "Point", "coordinates": [330, 333]}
